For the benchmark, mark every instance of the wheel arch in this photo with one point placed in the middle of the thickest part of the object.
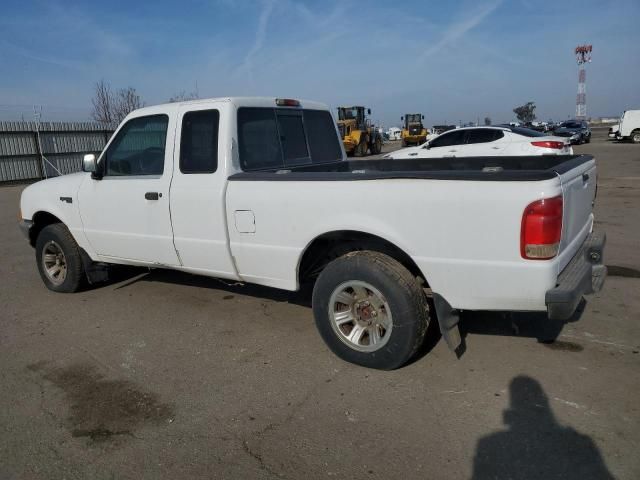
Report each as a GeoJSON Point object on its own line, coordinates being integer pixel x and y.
{"type": "Point", "coordinates": [330, 245]}
{"type": "Point", "coordinates": [40, 220]}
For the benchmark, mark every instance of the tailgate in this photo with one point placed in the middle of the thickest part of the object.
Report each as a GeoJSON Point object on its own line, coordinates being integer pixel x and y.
{"type": "Point", "coordinates": [578, 191]}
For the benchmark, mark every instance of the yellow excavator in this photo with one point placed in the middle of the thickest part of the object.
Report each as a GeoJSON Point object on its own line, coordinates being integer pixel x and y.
{"type": "Point", "coordinates": [413, 131]}
{"type": "Point", "coordinates": [359, 135]}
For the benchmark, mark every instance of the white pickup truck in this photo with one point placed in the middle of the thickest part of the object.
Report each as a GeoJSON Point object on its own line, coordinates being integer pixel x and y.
{"type": "Point", "coordinates": [259, 190]}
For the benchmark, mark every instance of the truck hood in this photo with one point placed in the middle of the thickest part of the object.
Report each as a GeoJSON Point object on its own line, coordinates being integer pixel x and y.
{"type": "Point", "coordinates": [49, 192]}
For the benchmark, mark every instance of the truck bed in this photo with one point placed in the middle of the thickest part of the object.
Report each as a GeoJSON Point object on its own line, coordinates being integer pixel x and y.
{"type": "Point", "coordinates": [517, 168]}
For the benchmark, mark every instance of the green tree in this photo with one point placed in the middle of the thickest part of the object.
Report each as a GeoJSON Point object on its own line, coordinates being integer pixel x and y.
{"type": "Point", "coordinates": [526, 113]}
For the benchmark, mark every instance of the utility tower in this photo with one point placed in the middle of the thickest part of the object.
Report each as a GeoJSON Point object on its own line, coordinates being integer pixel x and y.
{"type": "Point", "coordinates": [583, 56]}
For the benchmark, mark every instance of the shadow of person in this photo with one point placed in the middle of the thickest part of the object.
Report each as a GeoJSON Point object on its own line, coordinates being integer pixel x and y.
{"type": "Point", "coordinates": [535, 446]}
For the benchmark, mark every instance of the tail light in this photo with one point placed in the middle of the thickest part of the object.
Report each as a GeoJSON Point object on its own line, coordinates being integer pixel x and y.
{"type": "Point", "coordinates": [549, 144]}
{"type": "Point", "coordinates": [541, 229]}
{"type": "Point", "coordinates": [287, 102]}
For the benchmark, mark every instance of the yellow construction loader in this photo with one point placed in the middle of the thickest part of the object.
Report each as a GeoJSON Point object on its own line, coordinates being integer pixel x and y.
{"type": "Point", "coordinates": [413, 132]}
{"type": "Point", "coordinates": [359, 135]}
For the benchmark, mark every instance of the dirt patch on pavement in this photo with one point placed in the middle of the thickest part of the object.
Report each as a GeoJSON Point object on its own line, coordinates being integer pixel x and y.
{"type": "Point", "coordinates": [99, 408]}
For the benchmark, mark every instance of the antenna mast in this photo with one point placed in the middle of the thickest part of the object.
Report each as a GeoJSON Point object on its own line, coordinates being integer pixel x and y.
{"type": "Point", "coordinates": [583, 56]}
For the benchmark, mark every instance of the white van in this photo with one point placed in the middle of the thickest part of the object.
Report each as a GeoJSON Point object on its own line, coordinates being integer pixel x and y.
{"type": "Point", "coordinates": [630, 126]}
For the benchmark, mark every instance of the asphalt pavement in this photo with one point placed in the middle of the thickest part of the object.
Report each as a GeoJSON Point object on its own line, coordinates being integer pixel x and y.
{"type": "Point", "coordinates": [160, 374]}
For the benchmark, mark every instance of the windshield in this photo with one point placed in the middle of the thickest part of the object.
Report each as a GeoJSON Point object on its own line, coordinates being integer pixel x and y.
{"type": "Point", "coordinates": [347, 113]}
{"type": "Point", "coordinates": [413, 118]}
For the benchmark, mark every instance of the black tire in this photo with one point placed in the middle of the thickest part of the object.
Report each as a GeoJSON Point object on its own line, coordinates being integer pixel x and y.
{"type": "Point", "coordinates": [377, 146]}
{"type": "Point", "coordinates": [57, 236]}
{"type": "Point", "coordinates": [635, 136]}
{"type": "Point", "coordinates": [361, 149]}
{"type": "Point", "coordinates": [407, 302]}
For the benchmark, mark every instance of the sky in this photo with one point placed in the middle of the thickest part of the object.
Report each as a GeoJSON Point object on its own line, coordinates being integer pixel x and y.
{"type": "Point", "coordinates": [450, 60]}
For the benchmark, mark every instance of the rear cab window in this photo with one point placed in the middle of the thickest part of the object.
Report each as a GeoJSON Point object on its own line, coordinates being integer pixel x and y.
{"type": "Point", "coordinates": [273, 138]}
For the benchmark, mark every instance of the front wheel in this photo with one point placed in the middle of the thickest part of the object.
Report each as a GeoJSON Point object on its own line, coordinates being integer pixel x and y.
{"type": "Point", "coordinates": [58, 259]}
{"type": "Point", "coordinates": [370, 310]}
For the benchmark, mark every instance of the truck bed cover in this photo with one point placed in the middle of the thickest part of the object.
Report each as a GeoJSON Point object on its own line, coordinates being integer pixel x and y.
{"type": "Point", "coordinates": [522, 168]}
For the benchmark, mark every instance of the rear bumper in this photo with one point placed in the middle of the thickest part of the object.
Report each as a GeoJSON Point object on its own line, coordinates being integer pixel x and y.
{"type": "Point", "coordinates": [584, 274]}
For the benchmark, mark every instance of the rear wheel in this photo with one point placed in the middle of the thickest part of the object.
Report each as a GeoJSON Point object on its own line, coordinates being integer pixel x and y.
{"type": "Point", "coordinates": [376, 148]}
{"type": "Point", "coordinates": [370, 310]}
{"type": "Point", "coordinates": [58, 259]}
{"type": "Point", "coordinates": [635, 136]}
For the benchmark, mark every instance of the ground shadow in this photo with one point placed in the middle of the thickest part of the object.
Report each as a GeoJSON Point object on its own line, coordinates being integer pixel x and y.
{"type": "Point", "coordinates": [534, 445]}
{"type": "Point", "coordinates": [516, 324]}
{"type": "Point", "coordinates": [525, 324]}
{"type": "Point", "coordinates": [128, 276]}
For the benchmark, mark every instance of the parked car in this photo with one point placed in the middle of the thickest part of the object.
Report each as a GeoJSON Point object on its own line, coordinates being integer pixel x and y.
{"type": "Point", "coordinates": [259, 190]}
{"type": "Point", "coordinates": [487, 141]}
{"type": "Point", "coordinates": [614, 130]}
{"type": "Point", "coordinates": [630, 126]}
{"type": "Point", "coordinates": [577, 131]}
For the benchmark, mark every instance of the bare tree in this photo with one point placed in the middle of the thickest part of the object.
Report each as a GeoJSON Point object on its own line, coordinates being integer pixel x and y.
{"type": "Point", "coordinates": [103, 104]}
{"type": "Point", "coordinates": [111, 107]}
{"type": "Point", "coordinates": [183, 96]}
{"type": "Point", "coordinates": [125, 101]}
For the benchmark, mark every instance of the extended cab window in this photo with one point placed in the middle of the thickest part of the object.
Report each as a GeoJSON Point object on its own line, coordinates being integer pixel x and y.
{"type": "Point", "coordinates": [138, 149]}
{"type": "Point", "coordinates": [199, 142]}
{"type": "Point", "coordinates": [278, 138]}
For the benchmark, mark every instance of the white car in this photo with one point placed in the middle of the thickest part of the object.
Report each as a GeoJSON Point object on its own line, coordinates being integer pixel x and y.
{"type": "Point", "coordinates": [487, 142]}
{"type": "Point", "coordinates": [259, 190]}
{"type": "Point", "coordinates": [614, 130]}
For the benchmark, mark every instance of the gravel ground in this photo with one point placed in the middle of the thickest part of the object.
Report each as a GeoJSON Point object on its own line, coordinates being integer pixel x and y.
{"type": "Point", "coordinates": [166, 375]}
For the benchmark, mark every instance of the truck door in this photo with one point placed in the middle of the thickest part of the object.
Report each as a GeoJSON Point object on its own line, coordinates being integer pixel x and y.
{"type": "Point", "coordinates": [198, 192]}
{"type": "Point", "coordinates": [125, 215]}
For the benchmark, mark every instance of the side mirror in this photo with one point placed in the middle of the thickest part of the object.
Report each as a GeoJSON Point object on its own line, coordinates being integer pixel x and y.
{"type": "Point", "coordinates": [423, 117]}
{"type": "Point", "coordinates": [402, 118]}
{"type": "Point", "coordinates": [89, 163]}
{"type": "Point", "coordinates": [368, 111]}
{"type": "Point", "coordinates": [427, 145]}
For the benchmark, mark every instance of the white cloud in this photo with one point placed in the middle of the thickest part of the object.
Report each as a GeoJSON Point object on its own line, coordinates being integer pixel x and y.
{"type": "Point", "coordinates": [459, 29]}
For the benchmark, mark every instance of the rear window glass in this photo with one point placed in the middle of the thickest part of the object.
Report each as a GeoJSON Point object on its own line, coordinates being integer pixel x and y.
{"type": "Point", "coordinates": [258, 138]}
{"type": "Point", "coordinates": [527, 132]}
{"type": "Point", "coordinates": [292, 137]}
{"type": "Point", "coordinates": [272, 138]}
{"type": "Point", "coordinates": [321, 136]}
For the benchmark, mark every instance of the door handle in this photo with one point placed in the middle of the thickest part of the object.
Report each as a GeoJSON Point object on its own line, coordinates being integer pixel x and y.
{"type": "Point", "coordinates": [413, 154]}
{"type": "Point", "coordinates": [152, 195]}
{"type": "Point", "coordinates": [585, 177]}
